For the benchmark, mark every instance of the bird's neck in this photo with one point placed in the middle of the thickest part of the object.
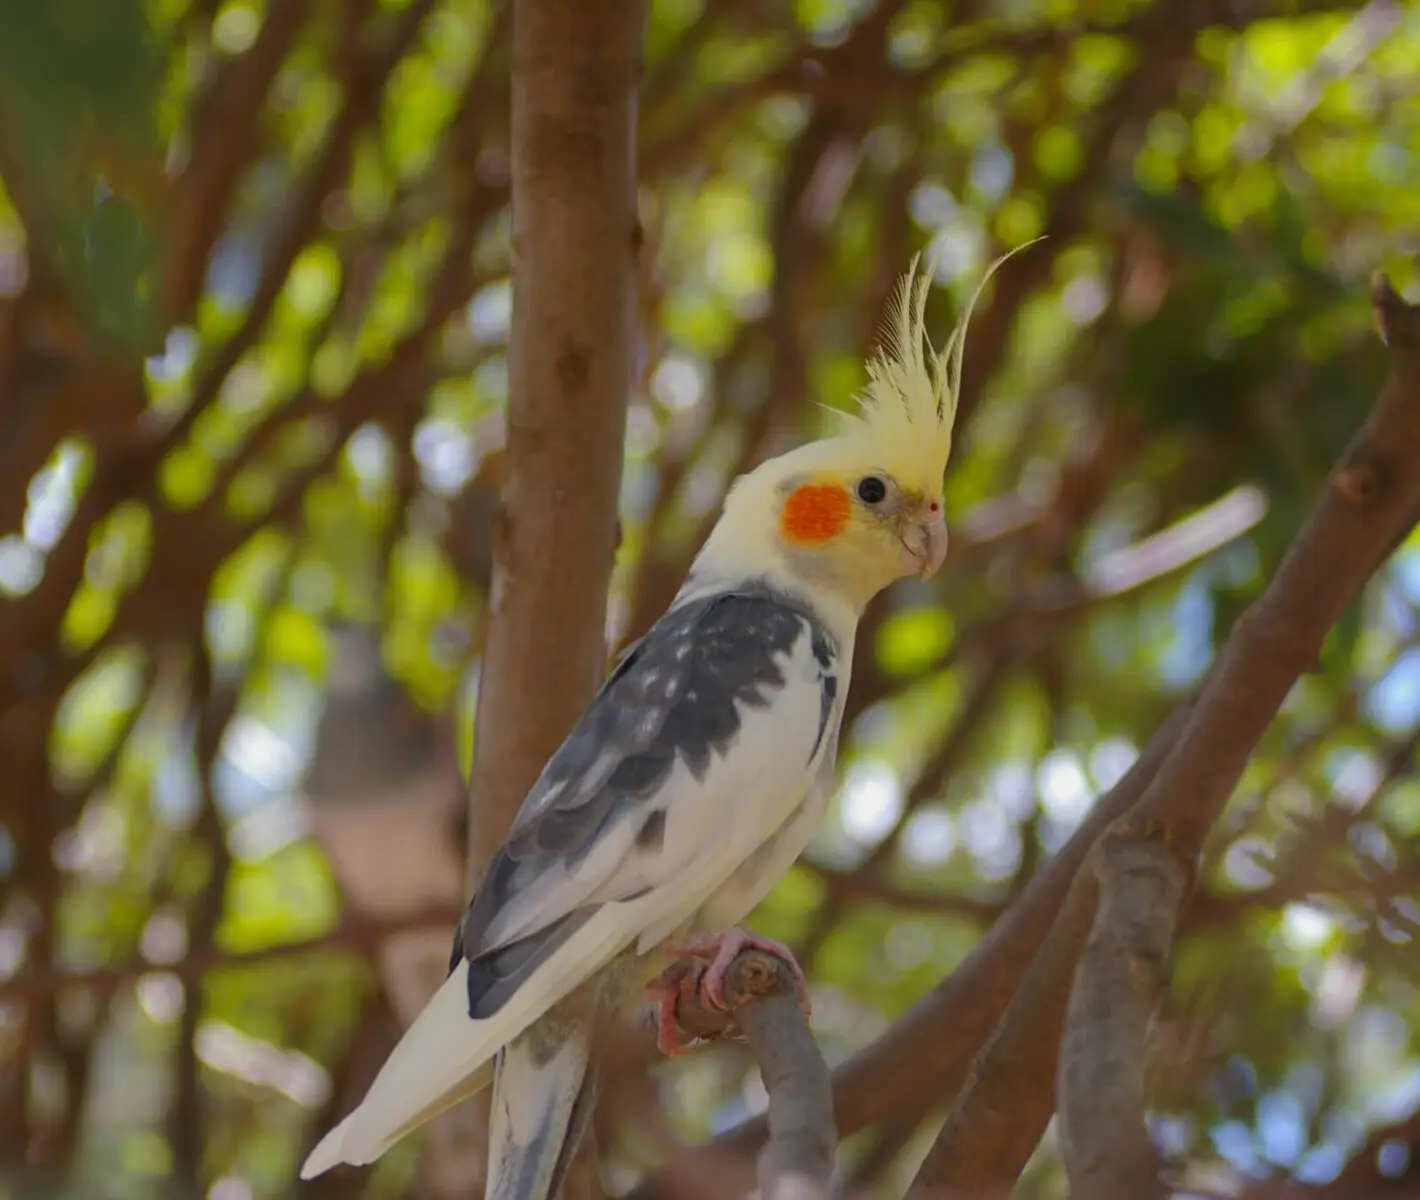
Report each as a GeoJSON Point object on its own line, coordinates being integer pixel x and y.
{"type": "Point", "coordinates": [713, 572]}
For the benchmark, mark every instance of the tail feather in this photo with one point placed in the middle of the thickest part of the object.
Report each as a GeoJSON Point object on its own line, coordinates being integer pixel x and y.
{"type": "Point", "coordinates": [543, 1094]}
{"type": "Point", "coordinates": [445, 1055]}
{"type": "Point", "coordinates": [331, 1151]}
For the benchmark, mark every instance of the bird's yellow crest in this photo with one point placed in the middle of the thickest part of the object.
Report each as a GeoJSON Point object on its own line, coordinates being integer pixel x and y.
{"type": "Point", "coordinates": [910, 404]}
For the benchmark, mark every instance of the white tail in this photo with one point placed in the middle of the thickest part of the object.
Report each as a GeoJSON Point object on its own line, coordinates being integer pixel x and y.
{"type": "Point", "coordinates": [446, 1055]}
{"type": "Point", "coordinates": [542, 1097]}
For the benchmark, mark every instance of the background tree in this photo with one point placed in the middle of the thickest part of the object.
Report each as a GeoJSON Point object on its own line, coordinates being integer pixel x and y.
{"type": "Point", "coordinates": [255, 294]}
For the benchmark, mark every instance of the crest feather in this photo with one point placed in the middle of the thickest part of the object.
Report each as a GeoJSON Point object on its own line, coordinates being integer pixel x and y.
{"type": "Point", "coordinates": [910, 403]}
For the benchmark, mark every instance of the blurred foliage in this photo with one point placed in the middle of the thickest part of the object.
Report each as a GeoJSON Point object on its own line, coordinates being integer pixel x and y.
{"type": "Point", "coordinates": [254, 307]}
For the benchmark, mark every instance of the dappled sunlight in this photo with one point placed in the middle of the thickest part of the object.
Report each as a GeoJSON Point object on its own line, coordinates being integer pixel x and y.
{"type": "Point", "coordinates": [260, 496]}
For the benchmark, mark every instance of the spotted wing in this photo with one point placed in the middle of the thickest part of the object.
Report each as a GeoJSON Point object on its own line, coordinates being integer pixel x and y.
{"type": "Point", "coordinates": [658, 774]}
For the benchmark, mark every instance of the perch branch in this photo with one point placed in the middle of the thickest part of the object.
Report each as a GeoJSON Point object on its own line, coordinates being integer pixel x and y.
{"type": "Point", "coordinates": [798, 1159]}
{"type": "Point", "coordinates": [1122, 971]}
{"type": "Point", "coordinates": [929, 1048]}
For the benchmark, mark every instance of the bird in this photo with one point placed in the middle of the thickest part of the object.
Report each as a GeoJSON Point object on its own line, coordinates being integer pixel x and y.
{"type": "Point", "coordinates": [690, 784]}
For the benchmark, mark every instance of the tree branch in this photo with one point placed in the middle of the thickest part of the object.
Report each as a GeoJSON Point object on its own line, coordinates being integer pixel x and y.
{"type": "Point", "coordinates": [575, 74]}
{"type": "Point", "coordinates": [1122, 970]}
{"type": "Point", "coordinates": [202, 198]}
{"type": "Point", "coordinates": [365, 82]}
{"type": "Point", "coordinates": [360, 936]}
{"type": "Point", "coordinates": [576, 69]}
{"type": "Point", "coordinates": [798, 1159]}
{"type": "Point", "coordinates": [1373, 495]}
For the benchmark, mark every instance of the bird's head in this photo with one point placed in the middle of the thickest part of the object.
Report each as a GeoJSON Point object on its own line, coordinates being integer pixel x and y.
{"type": "Point", "coordinates": [852, 513]}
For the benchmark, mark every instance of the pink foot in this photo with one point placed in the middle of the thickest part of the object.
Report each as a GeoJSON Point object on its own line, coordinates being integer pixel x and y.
{"type": "Point", "coordinates": [722, 949]}
{"type": "Point", "coordinates": [679, 979]}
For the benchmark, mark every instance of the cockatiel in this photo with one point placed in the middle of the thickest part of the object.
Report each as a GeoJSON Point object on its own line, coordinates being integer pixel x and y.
{"type": "Point", "coordinates": [688, 787]}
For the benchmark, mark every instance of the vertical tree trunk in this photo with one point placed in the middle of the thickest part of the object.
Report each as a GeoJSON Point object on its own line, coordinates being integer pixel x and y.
{"type": "Point", "coordinates": [576, 67]}
{"type": "Point", "coordinates": [575, 71]}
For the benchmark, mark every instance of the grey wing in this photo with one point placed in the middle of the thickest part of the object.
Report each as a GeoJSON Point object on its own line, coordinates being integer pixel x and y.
{"type": "Point", "coordinates": [590, 829]}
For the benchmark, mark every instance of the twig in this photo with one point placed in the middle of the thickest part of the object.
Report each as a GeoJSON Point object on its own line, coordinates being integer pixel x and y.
{"type": "Point", "coordinates": [34, 619]}
{"type": "Point", "coordinates": [1122, 971]}
{"type": "Point", "coordinates": [185, 1111]}
{"type": "Point", "coordinates": [364, 87]}
{"type": "Point", "coordinates": [856, 885]}
{"type": "Point", "coordinates": [797, 1161]}
{"type": "Point", "coordinates": [1303, 870]}
{"type": "Point", "coordinates": [201, 538]}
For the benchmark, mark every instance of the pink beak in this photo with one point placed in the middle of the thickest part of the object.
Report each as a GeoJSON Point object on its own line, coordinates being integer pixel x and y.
{"type": "Point", "coordinates": [926, 542]}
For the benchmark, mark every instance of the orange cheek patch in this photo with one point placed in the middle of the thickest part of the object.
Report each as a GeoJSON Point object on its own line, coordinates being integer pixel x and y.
{"type": "Point", "coordinates": [815, 512]}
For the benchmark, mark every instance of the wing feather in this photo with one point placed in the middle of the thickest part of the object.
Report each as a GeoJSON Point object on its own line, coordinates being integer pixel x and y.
{"type": "Point", "coordinates": [640, 818]}
{"type": "Point", "coordinates": [600, 825]}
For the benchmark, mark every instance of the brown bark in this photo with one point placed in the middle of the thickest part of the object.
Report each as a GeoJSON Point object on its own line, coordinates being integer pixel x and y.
{"type": "Point", "coordinates": [575, 71]}
{"type": "Point", "coordinates": [1122, 972]}
{"type": "Point", "coordinates": [1371, 502]}
{"type": "Point", "coordinates": [798, 1158]}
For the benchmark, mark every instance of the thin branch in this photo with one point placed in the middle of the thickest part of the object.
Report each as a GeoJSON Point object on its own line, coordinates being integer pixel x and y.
{"type": "Point", "coordinates": [185, 1115]}
{"type": "Point", "coordinates": [855, 885]}
{"type": "Point", "coordinates": [798, 1159]}
{"type": "Point", "coordinates": [226, 135]}
{"type": "Point", "coordinates": [301, 218]}
{"type": "Point", "coordinates": [201, 538]}
{"type": "Point", "coordinates": [1122, 971]}
{"type": "Point", "coordinates": [33, 619]}
{"type": "Point", "coordinates": [1303, 857]}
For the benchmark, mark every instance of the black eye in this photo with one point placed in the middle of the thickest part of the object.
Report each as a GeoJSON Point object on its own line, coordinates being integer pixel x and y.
{"type": "Point", "coordinates": [871, 490]}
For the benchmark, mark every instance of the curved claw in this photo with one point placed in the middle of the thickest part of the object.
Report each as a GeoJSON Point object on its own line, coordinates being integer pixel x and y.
{"type": "Point", "coordinates": [679, 979]}
{"type": "Point", "coordinates": [722, 949]}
